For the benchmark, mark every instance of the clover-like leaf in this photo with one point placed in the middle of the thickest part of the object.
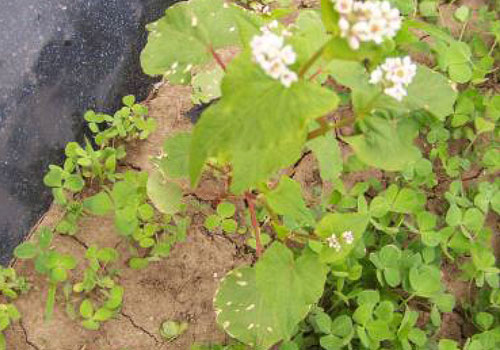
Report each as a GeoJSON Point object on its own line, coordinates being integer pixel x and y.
{"type": "Point", "coordinates": [336, 224]}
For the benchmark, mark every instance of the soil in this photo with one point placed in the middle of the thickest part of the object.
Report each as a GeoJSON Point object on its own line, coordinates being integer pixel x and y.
{"type": "Point", "coordinates": [178, 288]}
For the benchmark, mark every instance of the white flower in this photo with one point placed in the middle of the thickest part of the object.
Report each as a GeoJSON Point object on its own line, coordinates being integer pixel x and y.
{"type": "Point", "coordinates": [367, 21]}
{"type": "Point", "coordinates": [334, 243]}
{"type": "Point", "coordinates": [287, 78]}
{"type": "Point", "coordinates": [288, 55]}
{"type": "Point", "coordinates": [344, 26]}
{"type": "Point", "coordinates": [344, 6]}
{"type": "Point", "coordinates": [273, 56]}
{"type": "Point", "coordinates": [348, 237]}
{"type": "Point", "coordinates": [395, 74]}
{"type": "Point", "coordinates": [396, 91]}
{"type": "Point", "coordinates": [376, 76]}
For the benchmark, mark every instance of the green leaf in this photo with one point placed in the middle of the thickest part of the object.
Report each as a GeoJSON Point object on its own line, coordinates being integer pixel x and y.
{"type": "Point", "coordinates": [138, 263]}
{"type": "Point", "coordinates": [262, 305]}
{"type": "Point", "coordinates": [425, 280]}
{"type": "Point", "coordinates": [342, 326]}
{"type": "Point", "coordinates": [259, 126]}
{"type": "Point", "coordinates": [165, 195]}
{"type": "Point", "coordinates": [54, 177]}
{"type": "Point", "coordinates": [115, 298]}
{"type": "Point", "coordinates": [26, 250]}
{"type": "Point", "coordinates": [483, 125]}
{"type": "Point", "coordinates": [408, 201]}
{"type": "Point", "coordinates": [323, 322]}
{"type": "Point", "coordinates": [99, 204]}
{"type": "Point", "coordinates": [183, 38]}
{"type": "Point", "coordinates": [229, 225]}
{"type": "Point", "coordinates": [386, 144]}
{"type": "Point", "coordinates": [390, 255]}
{"type": "Point", "coordinates": [174, 164]}
{"type": "Point", "coordinates": [212, 222]}
{"type": "Point", "coordinates": [226, 209]}
{"type": "Point", "coordinates": [432, 92]}
{"type": "Point", "coordinates": [74, 183]}
{"type": "Point", "coordinates": [103, 314]}
{"type": "Point", "coordinates": [447, 344]}
{"type": "Point", "coordinates": [473, 219]}
{"type": "Point", "coordinates": [460, 72]}
{"type": "Point", "coordinates": [349, 73]}
{"type": "Point", "coordinates": [86, 309]}
{"type": "Point", "coordinates": [327, 152]}
{"type": "Point", "coordinates": [379, 206]}
{"type": "Point", "coordinates": [331, 342]}
{"type": "Point", "coordinates": [417, 336]}
{"type": "Point", "coordinates": [286, 199]}
{"type": "Point", "coordinates": [462, 13]}
{"type": "Point", "coordinates": [454, 215]}
{"type": "Point", "coordinates": [91, 324]}
{"type": "Point", "coordinates": [385, 311]}
{"type": "Point", "coordinates": [484, 320]}
{"type": "Point", "coordinates": [146, 212]}
{"type": "Point", "coordinates": [329, 16]}
{"type": "Point", "coordinates": [128, 100]}
{"type": "Point", "coordinates": [336, 224]}
{"type": "Point", "coordinates": [206, 85]}
{"type": "Point", "coordinates": [45, 236]}
{"type": "Point", "coordinates": [308, 37]}
{"type": "Point", "coordinates": [428, 8]}
{"type": "Point", "coordinates": [379, 330]}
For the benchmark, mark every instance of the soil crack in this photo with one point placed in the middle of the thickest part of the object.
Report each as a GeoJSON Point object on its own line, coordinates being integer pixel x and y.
{"type": "Point", "coordinates": [77, 240]}
{"type": "Point", "coordinates": [144, 330]}
{"type": "Point", "coordinates": [25, 332]}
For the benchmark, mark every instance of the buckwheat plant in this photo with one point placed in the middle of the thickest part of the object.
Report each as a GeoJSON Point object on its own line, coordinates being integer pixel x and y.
{"type": "Point", "coordinates": [284, 86]}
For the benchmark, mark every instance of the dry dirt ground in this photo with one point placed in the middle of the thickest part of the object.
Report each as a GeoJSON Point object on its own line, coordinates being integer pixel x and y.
{"type": "Point", "coordinates": [179, 288]}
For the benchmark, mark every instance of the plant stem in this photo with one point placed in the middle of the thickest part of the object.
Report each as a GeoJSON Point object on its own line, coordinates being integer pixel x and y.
{"type": "Point", "coordinates": [326, 127]}
{"type": "Point", "coordinates": [253, 216]}
{"type": "Point", "coordinates": [303, 70]}
{"type": "Point", "coordinates": [490, 53]}
{"type": "Point", "coordinates": [217, 58]}
{"type": "Point", "coordinates": [462, 32]}
{"type": "Point", "coordinates": [51, 299]}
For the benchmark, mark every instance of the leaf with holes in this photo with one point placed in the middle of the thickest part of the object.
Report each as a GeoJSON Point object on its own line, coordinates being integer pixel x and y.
{"type": "Point", "coordinates": [262, 305]}
{"type": "Point", "coordinates": [186, 36]}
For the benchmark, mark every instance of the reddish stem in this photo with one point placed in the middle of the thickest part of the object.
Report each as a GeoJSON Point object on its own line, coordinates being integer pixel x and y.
{"type": "Point", "coordinates": [251, 206]}
{"type": "Point", "coordinates": [217, 58]}
{"type": "Point", "coordinates": [318, 72]}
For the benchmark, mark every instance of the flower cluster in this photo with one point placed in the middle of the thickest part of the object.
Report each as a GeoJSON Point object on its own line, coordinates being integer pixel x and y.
{"type": "Point", "coordinates": [395, 74]}
{"type": "Point", "coordinates": [367, 21]}
{"type": "Point", "coordinates": [273, 56]}
{"type": "Point", "coordinates": [333, 242]}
